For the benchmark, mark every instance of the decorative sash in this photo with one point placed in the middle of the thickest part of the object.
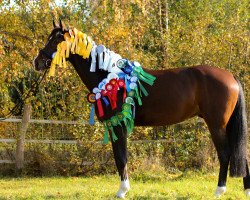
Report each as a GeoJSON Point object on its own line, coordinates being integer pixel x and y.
{"type": "Point", "coordinates": [129, 80]}
{"type": "Point", "coordinates": [124, 75]}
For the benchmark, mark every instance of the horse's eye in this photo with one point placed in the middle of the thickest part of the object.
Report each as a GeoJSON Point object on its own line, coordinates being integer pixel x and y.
{"type": "Point", "coordinates": [59, 34]}
{"type": "Point", "coordinates": [50, 38]}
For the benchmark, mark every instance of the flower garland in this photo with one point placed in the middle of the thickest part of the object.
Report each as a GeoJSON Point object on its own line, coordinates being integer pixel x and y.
{"type": "Point", "coordinates": [124, 75]}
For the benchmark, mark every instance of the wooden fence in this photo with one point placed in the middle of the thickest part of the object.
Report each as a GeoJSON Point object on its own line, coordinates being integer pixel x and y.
{"type": "Point", "coordinates": [21, 139]}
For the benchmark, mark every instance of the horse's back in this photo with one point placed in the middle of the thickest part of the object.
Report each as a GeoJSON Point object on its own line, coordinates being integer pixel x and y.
{"type": "Point", "coordinates": [182, 93]}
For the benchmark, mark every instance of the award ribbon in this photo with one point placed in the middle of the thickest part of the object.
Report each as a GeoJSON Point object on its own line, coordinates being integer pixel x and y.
{"type": "Point", "coordinates": [124, 74]}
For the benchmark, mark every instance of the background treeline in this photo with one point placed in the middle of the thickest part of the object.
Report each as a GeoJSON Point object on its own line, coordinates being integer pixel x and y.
{"type": "Point", "coordinates": [160, 34]}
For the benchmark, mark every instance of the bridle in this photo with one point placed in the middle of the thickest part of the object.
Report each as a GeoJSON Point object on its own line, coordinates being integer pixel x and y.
{"type": "Point", "coordinates": [47, 56]}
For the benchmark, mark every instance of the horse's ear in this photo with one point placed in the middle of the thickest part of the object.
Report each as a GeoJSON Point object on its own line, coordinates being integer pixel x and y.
{"type": "Point", "coordinates": [54, 23]}
{"type": "Point", "coordinates": [62, 26]}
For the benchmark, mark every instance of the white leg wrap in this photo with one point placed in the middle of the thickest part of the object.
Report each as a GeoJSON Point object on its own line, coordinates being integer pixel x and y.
{"type": "Point", "coordinates": [220, 191]}
{"type": "Point", "coordinates": [247, 192]}
{"type": "Point", "coordinates": [124, 188]}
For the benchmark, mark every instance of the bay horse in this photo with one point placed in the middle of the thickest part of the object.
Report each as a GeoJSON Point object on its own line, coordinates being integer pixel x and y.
{"type": "Point", "coordinates": [208, 92]}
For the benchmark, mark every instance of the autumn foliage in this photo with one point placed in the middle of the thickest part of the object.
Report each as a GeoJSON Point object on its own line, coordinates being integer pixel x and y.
{"type": "Point", "coordinates": [160, 34]}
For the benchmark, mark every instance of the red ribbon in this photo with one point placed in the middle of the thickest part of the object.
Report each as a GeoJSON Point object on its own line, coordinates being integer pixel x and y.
{"type": "Point", "coordinates": [108, 93]}
{"type": "Point", "coordinates": [115, 88]}
{"type": "Point", "coordinates": [112, 89]}
{"type": "Point", "coordinates": [121, 84]}
{"type": "Point", "coordinates": [100, 108]}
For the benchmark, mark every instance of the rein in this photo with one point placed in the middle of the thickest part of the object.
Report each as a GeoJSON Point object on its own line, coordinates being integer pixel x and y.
{"type": "Point", "coordinates": [34, 89]}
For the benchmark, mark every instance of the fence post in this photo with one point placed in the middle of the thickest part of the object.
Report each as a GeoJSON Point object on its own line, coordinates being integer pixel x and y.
{"type": "Point", "coordinates": [21, 139]}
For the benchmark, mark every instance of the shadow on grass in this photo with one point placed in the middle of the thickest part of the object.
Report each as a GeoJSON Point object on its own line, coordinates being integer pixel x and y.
{"type": "Point", "coordinates": [157, 177]}
{"type": "Point", "coordinates": [145, 197]}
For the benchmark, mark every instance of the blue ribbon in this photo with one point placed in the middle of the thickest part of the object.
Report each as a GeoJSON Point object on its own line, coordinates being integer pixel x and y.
{"type": "Point", "coordinates": [92, 114]}
{"type": "Point", "coordinates": [127, 82]}
{"type": "Point", "coordinates": [105, 101]}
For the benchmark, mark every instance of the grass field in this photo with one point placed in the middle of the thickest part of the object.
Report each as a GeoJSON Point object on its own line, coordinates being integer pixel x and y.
{"type": "Point", "coordinates": [191, 185]}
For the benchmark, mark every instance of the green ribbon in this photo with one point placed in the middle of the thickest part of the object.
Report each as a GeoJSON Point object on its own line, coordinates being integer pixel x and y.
{"type": "Point", "coordinates": [115, 121]}
{"type": "Point", "coordinates": [126, 115]}
{"type": "Point", "coordinates": [131, 93]}
{"type": "Point", "coordinates": [137, 95]}
{"type": "Point", "coordinates": [120, 116]}
{"type": "Point", "coordinates": [128, 120]}
{"type": "Point", "coordinates": [127, 107]}
{"type": "Point", "coordinates": [106, 133]}
{"type": "Point", "coordinates": [142, 75]}
{"type": "Point", "coordinates": [142, 89]}
{"type": "Point", "coordinates": [114, 137]}
{"type": "Point", "coordinates": [125, 120]}
{"type": "Point", "coordinates": [110, 127]}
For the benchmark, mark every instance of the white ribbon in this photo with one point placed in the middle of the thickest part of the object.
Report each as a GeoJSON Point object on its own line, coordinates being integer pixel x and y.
{"type": "Point", "coordinates": [112, 76]}
{"type": "Point", "coordinates": [93, 57]}
{"type": "Point", "coordinates": [100, 49]}
{"type": "Point", "coordinates": [108, 63]}
{"type": "Point", "coordinates": [113, 67]}
{"type": "Point", "coordinates": [116, 70]}
{"type": "Point", "coordinates": [96, 90]}
{"type": "Point", "coordinates": [107, 59]}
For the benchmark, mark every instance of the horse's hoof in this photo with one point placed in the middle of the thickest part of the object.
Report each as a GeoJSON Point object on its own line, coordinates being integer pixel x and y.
{"type": "Point", "coordinates": [247, 192]}
{"type": "Point", "coordinates": [220, 191]}
{"type": "Point", "coordinates": [122, 192]}
{"type": "Point", "coordinates": [124, 188]}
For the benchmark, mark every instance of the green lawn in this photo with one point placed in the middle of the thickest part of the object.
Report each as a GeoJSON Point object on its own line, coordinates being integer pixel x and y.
{"type": "Point", "coordinates": [143, 186]}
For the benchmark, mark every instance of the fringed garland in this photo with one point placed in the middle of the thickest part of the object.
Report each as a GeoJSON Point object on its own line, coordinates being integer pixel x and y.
{"type": "Point", "coordinates": [75, 42]}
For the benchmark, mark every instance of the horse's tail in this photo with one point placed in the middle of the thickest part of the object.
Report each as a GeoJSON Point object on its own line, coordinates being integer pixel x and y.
{"type": "Point", "coordinates": [237, 132]}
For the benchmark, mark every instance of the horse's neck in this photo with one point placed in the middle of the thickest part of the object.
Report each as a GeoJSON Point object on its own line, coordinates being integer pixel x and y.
{"type": "Point", "coordinates": [82, 67]}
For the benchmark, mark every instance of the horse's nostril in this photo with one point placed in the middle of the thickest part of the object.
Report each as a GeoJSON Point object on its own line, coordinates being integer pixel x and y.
{"type": "Point", "coordinates": [48, 63]}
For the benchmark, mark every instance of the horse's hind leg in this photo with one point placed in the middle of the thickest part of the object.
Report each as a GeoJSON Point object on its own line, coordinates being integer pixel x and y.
{"type": "Point", "coordinates": [120, 155]}
{"type": "Point", "coordinates": [221, 143]}
{"type": "Point", "coordinates": [246, 181]}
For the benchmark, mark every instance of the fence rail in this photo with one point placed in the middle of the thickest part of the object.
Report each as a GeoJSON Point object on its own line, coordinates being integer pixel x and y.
{"type": "Point", "coordinates": [44, 121]}
{"type": "Point", "coordinates": [47, 141]}
{"type": "Point", "coordinates": [26, 120]}
{"type": "Point", "coordinates": [12, 140]}
{"type": "Point", "coordinates": [73, 142]}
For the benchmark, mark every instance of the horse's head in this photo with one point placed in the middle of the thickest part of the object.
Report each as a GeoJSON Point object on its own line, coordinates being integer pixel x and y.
{"type": "Point", "coordinates": [45, 55]}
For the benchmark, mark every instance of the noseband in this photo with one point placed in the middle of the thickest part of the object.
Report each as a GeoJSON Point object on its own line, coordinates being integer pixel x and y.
{"type": "Point", "coordinates": [47, 56]}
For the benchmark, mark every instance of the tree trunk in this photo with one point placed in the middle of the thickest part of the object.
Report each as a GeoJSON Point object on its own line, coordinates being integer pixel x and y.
{"type": "Point", "coordinates": [21, 139]}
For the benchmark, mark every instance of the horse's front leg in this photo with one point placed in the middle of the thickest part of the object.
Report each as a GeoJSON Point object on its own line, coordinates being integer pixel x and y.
{"type": "Point", "coordinates": [120, 154]}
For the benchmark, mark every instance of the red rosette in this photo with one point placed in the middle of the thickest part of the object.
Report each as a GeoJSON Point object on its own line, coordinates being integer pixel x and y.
{"type": "Point", "coordinates": [109, 87]}
{"type": "Point", "coordinates": [121, 83]}
{"type": "Point", "coordinates": [113, 81]}
{"type": "Point", "coordinates": [112, 93]}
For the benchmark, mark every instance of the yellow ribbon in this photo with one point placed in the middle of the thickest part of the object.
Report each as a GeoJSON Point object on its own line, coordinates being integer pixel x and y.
{"type": "Point", "coordinates": [75, 42]}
